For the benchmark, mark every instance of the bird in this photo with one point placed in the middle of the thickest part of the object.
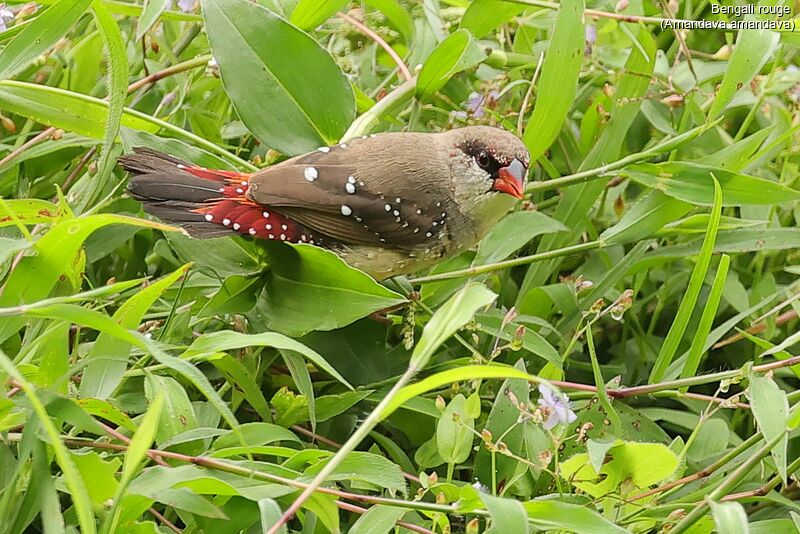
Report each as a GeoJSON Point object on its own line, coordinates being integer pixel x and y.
{"type": "Point", "coordinates": [388, 204]}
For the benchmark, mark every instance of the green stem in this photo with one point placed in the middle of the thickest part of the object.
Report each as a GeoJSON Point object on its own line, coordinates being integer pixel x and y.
{"type": "Point", "coordinates": [730, 482]}
{"type": "Point", "coordinates": [702, 379]}
{"type": "Point", "coordinates": [666, 145]}
{"type": "Point", "coordinates": [363, 124]}
{"type": "Point", "coordinates": [524, 260]}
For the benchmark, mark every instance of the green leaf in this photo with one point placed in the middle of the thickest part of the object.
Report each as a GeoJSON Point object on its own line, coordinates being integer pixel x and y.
{"type": "Point", "coordinates": [308, 14]}
{"type": "Point", "coordinates": [137, 450]}
{"type": "Point", "coordinates": [255, 434]}
{"type": "Point", "coordinates": [532, 341]}
{"type": "Point", "coordinates": [142, 439]}
{"type": "Point", "coordinates": [453, 55]}
{"type": "Point", "coordinates": [365, 467]}
{"type": "Point", "coordinates": [707, 318]}
{"type": "Point", "coordinates": [753, 48]}
{"type": "Point", "coordinates": [396, 15]}
{"type": "Point", "coordinates": [228, 340]}
{"type": "Point", "coordinates": [729, 517]}
{"type": "Point", "coordinates": [150, 13]}
{"type": "Point", "coordinates": [454, 314]}
{"type": "Point", "coordinates": [178, 415]}
{"type": "Point", "coordinates": [483, 16]}
{"type": "Point", "coordinates": [240, 377]}
{"type": "Point", "coordinates": [72, 478]}
{"type": "Point", "coordinates": [309, 288]}
{"type": "Point", "coordinates": [513, 232]}
{"type": "Point", "coordinates": [691, 182]}
{"type": "Point", "coordinates": [285, 87]}
{"type": "Point", "coordinates": [502, 421]}
{"type": "Point", "coordinates": [117, 88]}
{"type": "Point", "coordinates": [508, 515]}
{"type": "Point", "coordinates": [646, 216]}
{"type": "Point", "coordinates": [554, 515]}
{"type": "Point", "coordinates": [39, 35]}
{"type": "Point", "coordinates": [10, 247]}
{"type": "Point", "coordinates": [771, 410]}
{"type": "Point", "coordinates": [222, 256]}
{"type": "Point", "coordinates": [107, 360]}
{"type": "Point", "coordinates": [270, 515]}
{"type": "Point", "coordinates": [454, 432]}
{"type": "Point", "coordinates": [302, 380]}
{"type": "Point", "coordinates": [559, 79]}
{"type": "Point", "coordinates": [87, 115]}
{"type": "Point", "coordinates": [467, 372]}
{"type": "Point", "coordinates": [379, 519]}
{"type": "Point", "coordinates": [687, 305]}
{"type": "Point", "coordinates": [37, 275]}
{"type": "Point", "coordinates": [628, 463]}
{"type": "Point", "coordinates": [237, 294]}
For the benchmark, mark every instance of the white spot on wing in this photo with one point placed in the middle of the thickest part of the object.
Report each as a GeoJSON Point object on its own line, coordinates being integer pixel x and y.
{"type": "Point", "coordinates": [346, 210]}
{"type": "Point", "coordinates": [209, 217]}
{"type": "Point", "coordinates": [324, 149]}
{"type": "Point", "coordinates": [252, 231]}
{"type": "Point", "coordinates": [352, 179]}
{"type": "Point", "coordinates": [269, 227]}
{"type": "Point", "coordinates": [350, 188]}
{"type": "Point", "coordinates": [265, 214]}
{"type": "Point", "coordinates": [311, 174]}
{"type": "Point", "coordinates": [388, 207]}
{"type": "Point", "coordinates": [236, 226]}
{"type": "Point", "coordinates": [226, 222]}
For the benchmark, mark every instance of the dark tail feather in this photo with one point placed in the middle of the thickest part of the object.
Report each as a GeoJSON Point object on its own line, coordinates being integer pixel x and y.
{"type": "Point", "coordinates": [180, 193]}
{"type": "Point", "coordinates": [145, 160]}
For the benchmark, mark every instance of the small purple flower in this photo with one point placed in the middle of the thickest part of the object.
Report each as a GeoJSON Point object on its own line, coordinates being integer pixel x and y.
{"type": "Point", "coordinates": [6, 15]}
{"type": "Point", "coordinates": [185, 5]}
{"type": "Point", "coordinates": [590, 37]}
{"type": "Point", "coordinates": [555, 406]}
{"type": "Point", "coordinates": [477, 103]}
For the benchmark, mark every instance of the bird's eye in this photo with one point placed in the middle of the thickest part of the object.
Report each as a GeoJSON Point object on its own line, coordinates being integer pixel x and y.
{"type": "Point", "coordinates": [483, 160]}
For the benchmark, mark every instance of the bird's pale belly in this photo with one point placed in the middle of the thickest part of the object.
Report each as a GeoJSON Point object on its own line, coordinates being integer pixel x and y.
{"type": "Point", "coordinates": [384, 263]}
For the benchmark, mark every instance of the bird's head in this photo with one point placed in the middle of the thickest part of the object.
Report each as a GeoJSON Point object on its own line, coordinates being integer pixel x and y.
{"type": "Point", "coordinates": [488, 167]}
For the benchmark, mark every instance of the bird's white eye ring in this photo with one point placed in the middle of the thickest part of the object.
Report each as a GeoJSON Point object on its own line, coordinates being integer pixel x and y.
{"type": "Point", "coordinates": [483, 159]}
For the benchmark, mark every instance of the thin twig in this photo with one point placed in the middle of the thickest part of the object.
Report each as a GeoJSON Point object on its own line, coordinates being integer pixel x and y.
{"type": "Point", "coordinates": [44, 135]}
{"type": "Point", "coordinates": [381, 42]}
{"type": "Point", "coordinates": [73, 175]}
{"type": "Point", "coordinates": [757, 328]}
{"type": "Point", "coordinates": [169, 524]}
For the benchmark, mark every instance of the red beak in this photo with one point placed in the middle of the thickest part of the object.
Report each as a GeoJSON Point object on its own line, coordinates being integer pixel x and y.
{"type": "Point", "coordinates": [511, 179]}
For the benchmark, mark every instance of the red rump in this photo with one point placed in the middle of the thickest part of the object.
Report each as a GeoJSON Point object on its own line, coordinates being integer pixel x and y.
{"type": "Point", "coordinates": [237, 212]}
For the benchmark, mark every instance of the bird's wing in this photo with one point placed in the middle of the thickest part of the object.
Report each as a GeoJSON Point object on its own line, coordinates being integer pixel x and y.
{"type": "Point", "coordinates": [344, 193]}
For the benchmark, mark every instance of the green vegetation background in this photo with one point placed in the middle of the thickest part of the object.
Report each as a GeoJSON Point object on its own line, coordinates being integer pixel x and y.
{"type": "Point", "coordinates": [155, 383]}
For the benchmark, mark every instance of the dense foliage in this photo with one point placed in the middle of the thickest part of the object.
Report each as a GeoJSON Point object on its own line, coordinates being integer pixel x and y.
{"type": "Point", "coordinates": [616, 355]}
